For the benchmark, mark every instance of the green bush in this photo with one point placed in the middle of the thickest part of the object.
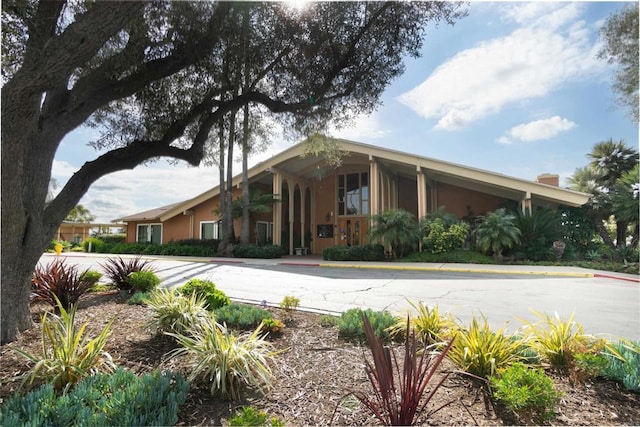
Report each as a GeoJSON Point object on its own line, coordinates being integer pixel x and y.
{"type": "Point", "coordinates": [143, 281]}
{"type": "Point", "coordinates": [241, 316]}
{"type": "Point", "coordinates": [526, 391]}
{"type": "Point", "coordinates": [626, 371]}
{"type": "Point", "coordinates": [112, 238]}
{"type": "Point", "coordinates": [139, 298]}
{"type": "Point", "coordinates": [121, 399]}
{"type": "Point", "coordinates": [438, 237]}
{"type": "Point", "coordinates": [354, 253]}
{"type": "Point", "coordinates": [350, 325]}
{"type": "Point", "coordinates": [249, 250]}
{"type": "Point", "coordinates": [97, 245]}
{"type": "Point", "coordinates": [206, 290]}
{"type": "Point", "coordinates": [248, 416]}
{"type": "Point", "coordinates": [91, 276]}
{"type": "Point", "coordinates": [175, 313]}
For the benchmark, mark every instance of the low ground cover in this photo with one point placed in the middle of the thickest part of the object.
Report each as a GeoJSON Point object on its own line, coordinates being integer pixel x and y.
{"type": "Point", "coordinates": [314, 372]}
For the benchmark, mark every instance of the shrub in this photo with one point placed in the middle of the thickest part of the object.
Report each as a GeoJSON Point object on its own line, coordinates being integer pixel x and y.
{"type": "Point", "coordinates": [354, 253]}
{"type": "Point", "coordinates": [624, 368]}
{"type": "Point", "coordinates": [526, 391]}
{"type": "Point", "coordinates": [350, 326]}
{"type": "Point", "coordinates": [250, 250]}
{"type": "Point", "coordinates": [91, 276]}
{"type": "Point", "coordinates": [207, 290]}
{"type": "Point", "coordinates": [143, 281]}
{"type": "Point", "coordinates": [400, 394]}
{"type": "Point", "coordinates": [327, 320]}
{"type": "Point", "coordinates": [556, 340]}
{"type": "Point", "coordinates": [217, 357]}
{"type": "Point", "coordinates": [121, 398]}
{"type": "Point", "coordinates": [248, 416]}
{"type": "Point", "coordinates": [538, 230]}
{"type": "Point", "coordinates": [438, 237]}
{"type": "Point", "coordinates": [241, 316]}
{"type": "Point", "coordinates": [496, 231]}
{"type": "Point", "coordinates": [112, 238]}
{"type": "Point", "coordinates": [68, 354]}
{"type": "Point", "coordinates": [481, 351]}
{"type": "Point", "coordinates": [119, 269]}
{"type": "Point", "coordinates": [58, 281]}
{"type": "Point", "coordinates": [272, 325]}
{"type": "Point", "coordinates": [139, 298]}
{"type": "Point", "coordinates": [397, 228]}
{"type": "Point", "coordinates": [175, 313]}
{"type": "Point", "coordinates": [429, 325]}
{"type": "Point", "coordinates": [97, 245]}
{"type": "Point", "coordinates": [289, 304]}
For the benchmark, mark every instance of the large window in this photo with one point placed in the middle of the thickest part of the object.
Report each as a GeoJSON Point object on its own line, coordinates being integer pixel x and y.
{"type": "Point", "coordinates": [264, 232]}
{"type": "Point", "coordinates": [149, 233]}
{"type": "Point", "coordinates": [209, 230]}
{"type": "Point", "coordinates": [353, 194]}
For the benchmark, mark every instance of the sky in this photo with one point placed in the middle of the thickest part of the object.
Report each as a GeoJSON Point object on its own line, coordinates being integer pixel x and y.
{"type": "Point", "coordinates": [513, 87]}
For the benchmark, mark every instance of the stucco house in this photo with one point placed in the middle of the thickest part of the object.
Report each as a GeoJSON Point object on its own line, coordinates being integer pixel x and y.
{"type": "Point", "coordinates": [321, 206]}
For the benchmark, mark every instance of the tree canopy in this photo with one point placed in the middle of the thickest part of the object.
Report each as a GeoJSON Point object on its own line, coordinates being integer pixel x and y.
{"type": "Point", "coordinates": [157, 78]}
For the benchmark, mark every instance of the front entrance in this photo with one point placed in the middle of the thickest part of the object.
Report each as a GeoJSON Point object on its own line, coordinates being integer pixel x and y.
{"type": "Point", "coordinates": [352, 231]}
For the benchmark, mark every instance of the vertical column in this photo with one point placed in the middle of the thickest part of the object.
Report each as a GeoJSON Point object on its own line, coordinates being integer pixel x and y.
{"type": "Point", "coordinates": [292, 191]}
{"type": "Point", "coordinates": [374, 187]}
{"type": "Point", "coordinates": [312, 217]}
{"type": "Point", "coordinates": [525, 204]}
{"type": "Point", "coordinates": [303, 194]}
{"type": "Point", "coordinates": [421, 188]}
{"type": "Point", "coordinates": [277, 209]}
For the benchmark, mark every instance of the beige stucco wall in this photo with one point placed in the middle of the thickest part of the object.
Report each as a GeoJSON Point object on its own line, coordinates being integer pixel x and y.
{"type": "Point", "coordinates": [463, 202]}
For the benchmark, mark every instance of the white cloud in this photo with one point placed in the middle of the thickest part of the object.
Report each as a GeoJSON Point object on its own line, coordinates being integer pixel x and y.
{"type": "Point", "coordinates": [535, 59]}
{"type": "Point", "coordinates": [361, 127]}
{"type": "Point", "coordinates": [537, 130]}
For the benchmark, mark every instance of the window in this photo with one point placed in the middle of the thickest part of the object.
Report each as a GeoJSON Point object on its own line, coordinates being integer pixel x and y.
{"type": "Point", "coordinates": [264, 232]}
{"type": "Point", "coordinates": [149, 233]}
{"type": "Point", "coordinates": [209, 230]}
{"type": "Point", "coordinates": [353, 194]}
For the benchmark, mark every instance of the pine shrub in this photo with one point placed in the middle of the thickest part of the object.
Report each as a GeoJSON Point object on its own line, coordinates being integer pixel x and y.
{"type": "Point", "coordinates": [240, 316]}
{"type": "Point", "coordinates": [350, 325]}
{"type": "Point", "coordinates": [206, 290]}
{"type": "Point", "coordinates": [143, 281]}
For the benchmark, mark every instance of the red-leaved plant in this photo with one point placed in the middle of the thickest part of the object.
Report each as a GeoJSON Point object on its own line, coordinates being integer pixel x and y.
{"type": "Point", "coordinates": [58, 280]}
{"type": "Point", "coordinates": [119, 269]}
{"type": "Point", "coordinates": [400, 394]}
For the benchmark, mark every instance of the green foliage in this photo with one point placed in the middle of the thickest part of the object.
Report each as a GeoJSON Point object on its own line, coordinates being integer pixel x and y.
{"type": "Point", "coordinates": [139, 298]}
{"type": "Point", "coordinates": [395, 227]}
{"type": "Point", "coordinates": [97, 245]}
{"type": "Point", "coordinates": [249, 416]}
{"type": "Point", "coordinates": [68, 354]}
{"type": "Point", "coordinates": [143, 281]}
{"type": "Point", "coordinates": [350, 326]}
{"type": "Point", "coordinates": [117, 399]}
{"type": "Point", "coordinates": [250, 250]}
{"type": "Point", "coordinates": [481, 351]}
{"type": "Point", "coordinates": [497, 231]}
{"type": "Point", "coordinates": [91, 276]}
{"type": "Point", "coordinates": [206, 290]}
{"type": "Point", "coordinates": [242, 316]}
{"type": "Point", "coordinates": [175, 313]}
{"type": "Point", "coordinates": [118, 270]}
{"type": "Point", "coordinates": [555, 339]}
{"type": "Point", "coordinates": [58, 282]}
{"type": "Point", "coordinates": [626, 368]}
{"type": "Point", "coordinates": [456, 256]}
{"type": "Point", "coordinates": [191, 247]}
{"type": "Point", "coordinates": [439, 237]}
{"type": "Point", "coordinates": [354, 253]}
{"type": "Point", "coordinates": [430, 326]}
{"type": "Point", "coordinates": [272, 325]}
{"type": "Point", "coordinates": [112, 238]}
{"type": "Point", "coordinates": [327, 320]}
{"type": "Point", "coordinates": [538, 230]}
{"type": "Point", "coordinates": [217, 357]}
{"type": "Point", "coordinates": [526, 391]}
{"type": "Point", "coordinates": [289, 303]}
{"type": "Point", "coordinates": [400, 395]}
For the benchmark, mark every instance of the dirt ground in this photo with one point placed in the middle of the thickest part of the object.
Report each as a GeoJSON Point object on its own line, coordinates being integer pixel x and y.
{"type": "Point", "coordinates": [314, 374]}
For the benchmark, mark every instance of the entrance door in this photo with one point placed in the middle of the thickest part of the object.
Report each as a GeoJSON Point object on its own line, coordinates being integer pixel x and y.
{"type": "Point", "coordinates": [352, 231]}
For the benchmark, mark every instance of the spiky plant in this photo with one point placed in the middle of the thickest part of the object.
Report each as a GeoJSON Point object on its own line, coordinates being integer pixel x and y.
{"type": "Point", "coordinates": [496, 232]}
{"type": "Point", "coordinates": [118, 270]}
{"type": "Point", "coordinates": [429, 324]}
{"type": "Point", "coordinates": [58, 281]}
{"type": "Point", "coordinates": [395, 227]}
{"type": "Point", "coordinates": [175, 313]}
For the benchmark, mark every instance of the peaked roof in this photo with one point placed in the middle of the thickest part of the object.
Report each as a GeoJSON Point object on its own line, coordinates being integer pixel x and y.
{"type": "Point", "coordinates": [291, 163]}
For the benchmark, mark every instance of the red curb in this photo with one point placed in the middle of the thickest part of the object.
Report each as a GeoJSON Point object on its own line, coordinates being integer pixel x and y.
{"type": "Point", "coordinates": [301, 264]}
{"type": "Point", "coordinates": [606, 276]}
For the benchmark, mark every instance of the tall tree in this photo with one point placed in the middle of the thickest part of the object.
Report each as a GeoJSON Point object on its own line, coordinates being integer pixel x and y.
{"type": "Point", "coordinates": [620, 46]}
{"type": "Point", "coordinates": [79, 214]}
{"type": "Point", "coordinates": [149, 75]}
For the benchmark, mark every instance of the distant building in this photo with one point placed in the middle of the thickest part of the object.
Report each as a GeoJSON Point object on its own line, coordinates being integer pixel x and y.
{"type": "Point", "coordinates": [321, 206]}
{"type": "Point", "coordinates": [76, 232]}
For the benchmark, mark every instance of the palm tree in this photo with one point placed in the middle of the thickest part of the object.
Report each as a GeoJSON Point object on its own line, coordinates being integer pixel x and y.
{"type": "Point", "coordinates": [395, 227]}
{"type": "Point", "coordinates": [539, 229]}
{"type": "Point", "coordinates": [625, 195]}
{"type": "Point", "coordinates": [611, 159]}
{"type": "Point", "coordinates": [496, 231]}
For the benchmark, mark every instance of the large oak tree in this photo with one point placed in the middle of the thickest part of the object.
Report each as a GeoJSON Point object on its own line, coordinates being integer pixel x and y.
{"type": "Point", "coordinates": [157, 79]}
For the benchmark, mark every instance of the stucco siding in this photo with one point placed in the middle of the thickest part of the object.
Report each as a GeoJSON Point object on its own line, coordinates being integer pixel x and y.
{"type": "Point", "coordinates": [463, 202]}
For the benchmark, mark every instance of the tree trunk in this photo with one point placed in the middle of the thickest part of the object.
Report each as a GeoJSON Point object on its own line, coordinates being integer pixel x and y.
{"type": "Point", "coordinates": [246, 202]}
{"type": "Point", "coordinates": [227, 222]}
{"type": "Point", "coordinates": [602, 232]}
{"type": "Point", "coordinates": [621, 233]}
{"type": "Point", "coordinates": [222, 246]}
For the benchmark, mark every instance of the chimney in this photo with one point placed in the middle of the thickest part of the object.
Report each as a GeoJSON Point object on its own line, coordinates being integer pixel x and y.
{"type": "Point", "coordinates": [549, 179]}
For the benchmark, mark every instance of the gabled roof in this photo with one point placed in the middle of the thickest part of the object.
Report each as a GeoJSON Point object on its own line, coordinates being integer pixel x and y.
{"type": "Point", "coordinates": [151, 214]}
{"type": "Point", "coordinates": [290, 162]}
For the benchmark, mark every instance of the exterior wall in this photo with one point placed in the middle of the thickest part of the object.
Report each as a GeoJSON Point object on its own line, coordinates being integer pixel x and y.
{"type": "Point", "coordinates": [463, 202]}
{"type": "Point", "coordinates": [325, 211]}
{"type": "Point", "coordinates": [177, 228]}
{"type": "Point", "coordinates": [408, 195]}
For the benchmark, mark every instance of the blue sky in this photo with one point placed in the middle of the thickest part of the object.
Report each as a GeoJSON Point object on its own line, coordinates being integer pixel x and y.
{"type": "Point", "coordinates": [514, 88]}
